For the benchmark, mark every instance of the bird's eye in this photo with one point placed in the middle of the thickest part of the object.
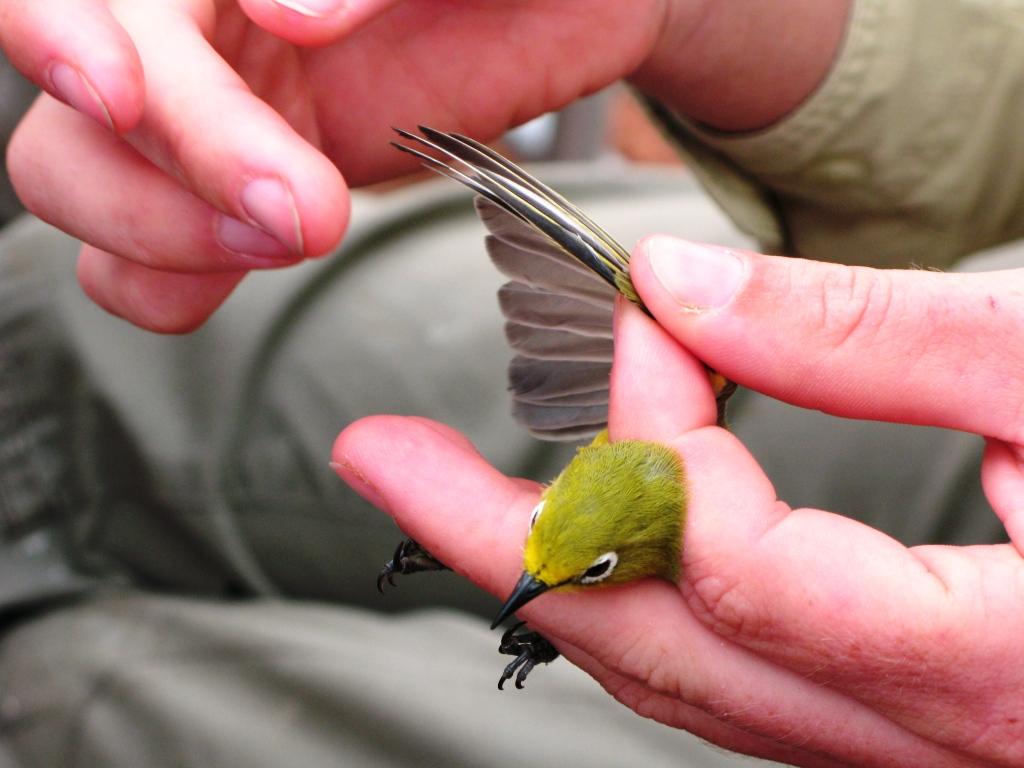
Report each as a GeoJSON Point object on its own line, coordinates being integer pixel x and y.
{"type": "Point", "coordinates": [536, 513]}
{"type": "Point", "coordinates": [600, 569]}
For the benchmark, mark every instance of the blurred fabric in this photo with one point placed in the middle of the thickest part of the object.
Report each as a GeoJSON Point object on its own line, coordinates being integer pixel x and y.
{"type": "Point", "coordinates": [16, 94]}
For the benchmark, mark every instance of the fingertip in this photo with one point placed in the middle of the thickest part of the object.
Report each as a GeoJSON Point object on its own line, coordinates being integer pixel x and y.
{"type": "Point", "coordinates": [109, 91]}
{"type": "Point", "coordinates": [119, 84]}
{"type": "Point", "coordinates": [359, 443]}
{"type": "Point", "coordinates": [439, 490]}
{"type": "Point", "coordinates": [313, 22]}
{"type": "Point", "coordinates": [378, 445]}
{"type": "Point", "coordinates": [260, 171]}
{"type": "Point", "coordinates": [681, 280]}
{"type": "Point", "coordinates": [353, 450]}
{"type": "Point", "coordinates": [305, 208]}
{"type": "Point", "coordinates": [80, 56]}
{"type": "Point", "coordinates": [324, 207]}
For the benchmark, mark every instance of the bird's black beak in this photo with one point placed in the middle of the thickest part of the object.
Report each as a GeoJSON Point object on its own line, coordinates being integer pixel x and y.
{"type": "Point", "coordinates": [524, 591]}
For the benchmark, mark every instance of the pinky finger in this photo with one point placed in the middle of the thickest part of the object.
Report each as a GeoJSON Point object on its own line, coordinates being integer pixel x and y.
{"type": "Point", "coordinates": [164, 302]}
{"type": "Point", "coordinates": [77, 52]}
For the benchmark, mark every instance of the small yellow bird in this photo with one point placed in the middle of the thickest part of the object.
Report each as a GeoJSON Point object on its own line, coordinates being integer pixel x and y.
{"type": "Point", "coordinates": [616, 512]}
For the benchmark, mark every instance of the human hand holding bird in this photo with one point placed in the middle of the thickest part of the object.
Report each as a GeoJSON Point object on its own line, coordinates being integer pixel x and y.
{"type": "Point", "coordinates": [793, 634]}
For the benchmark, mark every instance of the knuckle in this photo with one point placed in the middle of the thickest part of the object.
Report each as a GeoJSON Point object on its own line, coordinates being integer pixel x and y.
{"type": "Point", "coordinates": [724, 604]}
{"type": "Point", "coordinates": [855, 305]}
{"type": "Point", "coordinates": [643, 660]}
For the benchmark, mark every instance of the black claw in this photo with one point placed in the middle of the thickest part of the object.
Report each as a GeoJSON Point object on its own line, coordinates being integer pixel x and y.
{"type": "Point", "coordinates": [529, 648]}
{"type": "Point", "coordinates": [522, 658]}
{"type": "Point", "coordinates": [409, 557]}
{"type": "Point", "coordinates": [523, 672]}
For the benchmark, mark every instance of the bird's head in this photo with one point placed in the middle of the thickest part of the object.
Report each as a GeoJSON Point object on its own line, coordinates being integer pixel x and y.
{"type": "Point", "coordinates": [614, 514]}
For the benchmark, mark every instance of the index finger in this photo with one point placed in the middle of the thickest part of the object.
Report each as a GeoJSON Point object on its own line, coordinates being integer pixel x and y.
{"type": "Point", "coordinates": [204, 126]}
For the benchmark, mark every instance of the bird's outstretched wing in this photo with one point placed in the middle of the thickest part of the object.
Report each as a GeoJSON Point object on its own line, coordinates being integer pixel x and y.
{"type": "Point", "coordinates": [564, 272]}
{"type": "Point", "coordinates": [558, 320]}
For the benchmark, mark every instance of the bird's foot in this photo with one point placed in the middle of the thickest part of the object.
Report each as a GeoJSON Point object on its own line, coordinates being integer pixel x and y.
{"type": "Point", "coordinates": [529, 648]}
{"type": "Point", "coordinates": [409, 557]}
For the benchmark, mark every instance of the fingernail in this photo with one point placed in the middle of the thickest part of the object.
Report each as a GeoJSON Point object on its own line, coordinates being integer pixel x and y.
{"type": "Point", "coordinates": [312, 8]}
{"type": "Point", "coordinates": [249, 245]}
{"type": "Point", "coordinates": [73, 89]}
{"type": "Point", "coordinates": [357, 482]}
{"type": "Point", "coordinates": [698, 277]}
{"type": "Point", "coordinates": [272, 208]}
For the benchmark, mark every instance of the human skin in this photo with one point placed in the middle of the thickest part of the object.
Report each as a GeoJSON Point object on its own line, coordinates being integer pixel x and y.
{"type": "Point", "coordinates": [155, 171]}
{"type": "Point", "coordinates": [794, 634]}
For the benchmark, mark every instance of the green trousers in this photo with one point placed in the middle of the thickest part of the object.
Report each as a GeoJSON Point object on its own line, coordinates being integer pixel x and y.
{"type": "Point", "coordinates": [185, 582]}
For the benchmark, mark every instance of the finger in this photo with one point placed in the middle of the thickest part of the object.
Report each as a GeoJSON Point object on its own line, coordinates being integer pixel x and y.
{"type": "Point", "coordinates": [850, 608]}
{"type": "Point", "coordinates": [164, 302]}
{"type": "Point", "coordinates": [203, 126]}
{"type": "Point", "coordinates": [475, 520]}
{"type": "Point", "coordinates": [768, 577]}
{"type": "Point", "coordinates": [670, 711]}
{"type": "Point", "coordinates": [129, 207]}
{"type": "Point", "coordinates": [658, 390]}
{"type": "Point", "coordinates": [77, 52]}
{"type": "Point", "coordinates": [897, 345]}
{"type": "Point", "coordinates": [466, 492]}
{"type": "Point", "coordinates": [313, 22]}
{"type": "Point", "coordinates": [1002, 477]}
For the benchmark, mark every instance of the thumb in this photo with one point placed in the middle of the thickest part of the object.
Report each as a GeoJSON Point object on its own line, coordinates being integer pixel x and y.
{"type": "Point", "coordinates": [911, 346]}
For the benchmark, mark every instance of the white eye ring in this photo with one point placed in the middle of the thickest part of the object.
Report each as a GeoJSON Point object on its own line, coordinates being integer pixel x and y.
{"type": "Point", "coordinates": [536, 513]}
{"type": "Point", "coordinates": [600, 569]}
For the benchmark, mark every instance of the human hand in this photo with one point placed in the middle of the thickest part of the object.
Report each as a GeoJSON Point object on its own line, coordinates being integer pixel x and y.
{"type": "Point", "coordinates": [208, 142]}
{"type": "Point", "coordinates": [796, 635]}
{"type": "Point", "coordinates": [209, 137]}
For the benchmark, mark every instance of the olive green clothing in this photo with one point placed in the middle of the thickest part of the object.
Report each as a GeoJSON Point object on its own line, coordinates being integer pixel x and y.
{"type": "Point", "coordinates": [153, 682]}
{"type": "Point", "coordinates": [908, 153]}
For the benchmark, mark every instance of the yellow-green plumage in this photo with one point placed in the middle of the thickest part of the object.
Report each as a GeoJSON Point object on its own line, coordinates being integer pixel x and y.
{"type": "Point", "coordinates": [625, 497]}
